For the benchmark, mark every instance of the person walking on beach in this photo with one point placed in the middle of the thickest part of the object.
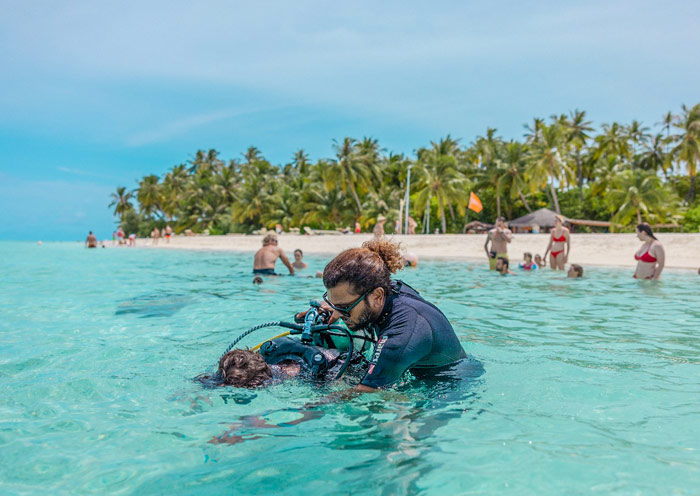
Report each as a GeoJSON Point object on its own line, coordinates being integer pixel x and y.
{"type": "Point", "coordinates": [559, 244]}
{"type": "Point", "coordinates": [412, 224]}
{"type": "Point", "coordinates": [651, 257]}
{"type": "Point", "coordinates": [379, 227]}
{"type": "Point", "coordinates": [91, 240]}
{"type": "Point", "coordinates": [168, 233]}
{"type": "Point", "coordinates": [266, 257]}
{"type": "Point", "coordinates": [499, 237]}
{"type": "Point", "coordinates": [155, 234]}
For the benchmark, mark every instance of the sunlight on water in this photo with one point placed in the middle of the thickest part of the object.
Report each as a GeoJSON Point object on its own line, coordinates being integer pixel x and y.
{"type": "Point", "coordinates": [589, 385]}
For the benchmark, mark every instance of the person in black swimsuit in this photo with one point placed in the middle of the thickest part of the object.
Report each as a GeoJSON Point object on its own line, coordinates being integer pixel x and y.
{"type": "Point", "coordinates": [412, 334]}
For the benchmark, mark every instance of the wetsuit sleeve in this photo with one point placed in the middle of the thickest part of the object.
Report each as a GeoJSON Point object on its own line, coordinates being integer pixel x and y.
{"type": "Point", "coordinates": [405, 342]}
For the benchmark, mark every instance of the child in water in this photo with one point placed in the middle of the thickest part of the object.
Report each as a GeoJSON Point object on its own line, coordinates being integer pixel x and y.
{"type": "Point", "coordinates": [528, 263]}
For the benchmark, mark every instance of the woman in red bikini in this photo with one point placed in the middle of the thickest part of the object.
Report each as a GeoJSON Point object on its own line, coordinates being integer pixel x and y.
{"type": "Point", "coordinates": [651, 256]}
{"type": "Point", "coordinates": [560, 244]}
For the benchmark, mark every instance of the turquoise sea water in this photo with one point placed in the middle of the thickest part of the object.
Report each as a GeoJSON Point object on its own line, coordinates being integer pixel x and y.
{"type": "Point", "coordinates": [590, 386]}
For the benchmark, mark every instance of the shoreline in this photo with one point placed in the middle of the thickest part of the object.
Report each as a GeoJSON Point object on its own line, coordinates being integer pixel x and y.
{"type": "Point", "coordinates": [602, 250]}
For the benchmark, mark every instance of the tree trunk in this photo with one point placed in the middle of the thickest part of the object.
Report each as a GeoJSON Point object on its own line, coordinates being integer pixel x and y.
{"type": "Point", "coordinates": [691, 192]}
{"type": "Point", "coordinates": [639, 217]}
{"type": "Point", "coordinates": [498, 205]}
{"type": "Point", "coordinates": [554, 198]}
{"type": "Point", "coordinates": [443, 221]}
{"type": "Point", "coordinates": [357, 198]}
{"type": "Point", "coordinates": [579, 175]}
{"type": "Point", "coordinates": [522, 199]}
{"type": "Point", "coordinates": [427, 218]}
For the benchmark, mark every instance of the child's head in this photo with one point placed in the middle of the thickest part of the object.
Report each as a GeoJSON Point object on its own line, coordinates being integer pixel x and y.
{"type": "Point", "coordinates": [575, 270]}
{"type": "Point", "coordinates": [538, 259]}
{"type": "Point", "coordinates": [527, 256]}
{"type": "Point", "coordinates": [244, 368]}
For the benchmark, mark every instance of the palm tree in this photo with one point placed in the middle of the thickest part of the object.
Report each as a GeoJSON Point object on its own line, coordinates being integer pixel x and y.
{"type": "Point", "coordinates": [438, 176]}
{"type": "Point", "coordinates": [121, 201]}
{"type": "Point", "coordinates": [635, 193]}
{"type": "Point", "coordinates": [687, 149]}
{"type": "Point", "coordinates": [149, 195]}
{"type": "Point", "coordinates": [511, 173]}
{"type": "Point", "coordinates": [546, 165]}
{"type": "Point", "coordinates": [349, 173]}
{"type": "Point", "coordinates": [577, 129]}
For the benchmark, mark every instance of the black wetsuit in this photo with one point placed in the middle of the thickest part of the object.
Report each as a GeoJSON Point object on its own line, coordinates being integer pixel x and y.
{"type": "Point", "coordinates": [412, 335]}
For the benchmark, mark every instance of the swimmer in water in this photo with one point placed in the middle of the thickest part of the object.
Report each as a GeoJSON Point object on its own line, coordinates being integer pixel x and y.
{"type": "Point", "coordinates": [651, 257]}
{"type": "Point", "coordinates": [539, 261]}
{"type": "Point", "coordinates": [298, 260]}
{"type": "Point", "coordinates": [410, 259]}
{"type": "Point", "coordinates": [266, 257]}
{"type": "Point", "coordinates": [91, 240]}
{"type": "Point", "coordinates": [280, 359]}
{"type": "Point", "coordinates": [502, 267]}
{"type": "Point", "coordinates": [575, 270]}
{"type": "Point", "coordinates": [527, 262]}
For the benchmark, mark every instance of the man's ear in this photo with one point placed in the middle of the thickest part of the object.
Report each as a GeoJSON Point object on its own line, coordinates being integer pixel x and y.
{"type": "Point", "coordinates": [377, 298]}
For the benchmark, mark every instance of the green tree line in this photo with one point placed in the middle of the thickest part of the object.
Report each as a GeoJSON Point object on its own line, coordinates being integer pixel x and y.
{"type": "Point", "coordinates": [621, 173]}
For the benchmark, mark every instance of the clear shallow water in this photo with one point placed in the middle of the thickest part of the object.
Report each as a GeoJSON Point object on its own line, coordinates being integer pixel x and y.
{"type": "Point", "coordinates": [590, 385]}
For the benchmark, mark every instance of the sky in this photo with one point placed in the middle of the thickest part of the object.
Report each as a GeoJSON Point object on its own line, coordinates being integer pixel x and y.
{"type": "Point", "coordinates": [95, 95]}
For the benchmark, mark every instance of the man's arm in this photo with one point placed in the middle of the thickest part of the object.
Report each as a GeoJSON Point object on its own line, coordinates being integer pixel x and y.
{"type": "Point", "coordinates": [508, 235]}
{"type": "Point", "coordinates": [285, 261]}
{"type": "Point", "coordinates": [486, 245]}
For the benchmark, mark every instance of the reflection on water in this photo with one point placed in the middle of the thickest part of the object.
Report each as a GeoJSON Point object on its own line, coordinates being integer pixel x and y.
{"type": "Point", "coordinates": [155, 305]}
{"type": "Point", "coordinates": [587, 385]}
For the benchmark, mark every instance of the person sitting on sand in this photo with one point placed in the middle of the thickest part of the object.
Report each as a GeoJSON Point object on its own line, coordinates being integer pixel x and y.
{"type": "Point", "coordinates": [575, 270]}
{"type": "Point", "coordinates": [539, 261]}
{"type": "Point", "coordinates": [502, 266]}
{"type": "Point", "coordinates": [379, 227]}
{"type": "Point", "coordinates": [266, 257]}
{"type": "Point", "coordinates": [559, 243]}
{"type": "Point", "coordinates": [651, 257]}
{"type": "Point", "coordinates": [528, 264]}
{"type": "Point", "coordinates": [91, 240]}
{"type": "Point", "coordinates": [298, 262]}
{"type": "Point", "coordinates": [499, 237]}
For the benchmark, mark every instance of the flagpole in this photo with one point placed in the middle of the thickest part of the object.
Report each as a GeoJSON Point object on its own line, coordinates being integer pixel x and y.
{"type": "Point", "coordinates": [408, 197]}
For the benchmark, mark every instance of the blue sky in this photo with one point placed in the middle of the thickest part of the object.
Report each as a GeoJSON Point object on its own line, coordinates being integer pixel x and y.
{"type": "Point", "coordinates": [94, 95]}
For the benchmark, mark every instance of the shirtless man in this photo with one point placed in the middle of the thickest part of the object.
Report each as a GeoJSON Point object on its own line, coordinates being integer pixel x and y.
{"type": "Point", "coordinates": [91, 240]}
{"type": "Point", "coordinates": [499, 237]}
{"type": "Point", "coordinates": [265, 258]}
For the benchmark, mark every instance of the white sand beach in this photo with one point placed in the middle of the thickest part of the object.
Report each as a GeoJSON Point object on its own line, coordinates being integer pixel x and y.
{"type": "Point", "coordinates": [682, 250]}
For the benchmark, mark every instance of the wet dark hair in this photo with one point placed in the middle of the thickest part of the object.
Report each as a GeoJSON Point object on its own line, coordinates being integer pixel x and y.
{"type": "Point", "coordinates": [504, 261]}
{"type": "Point", "coordinates": [244, 368]}
{"type": "Point", "coordinates": [300, 252]}
{"type": "Point", "coordinates": [527, 254]}
{"type": "Point", "coordinates": [578, 269]}
{"type": "Point", "coordinates": [365, 268]}
{"type": "Point", "coordinates": [645, 228]}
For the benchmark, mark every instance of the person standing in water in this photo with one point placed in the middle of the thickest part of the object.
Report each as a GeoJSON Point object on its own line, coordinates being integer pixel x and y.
{"type": "Point", "coordinates": [499, 237]}
{"type": "Point", "coordinates": [651, 257]}
{"type": "Point", "coordinates": [91, 240]}
{"type": "Point", "coordinates": [412, 334]}
{"type": "Point", "coordinates": [265, 258]}
{"type": "Point", "coordinates": [559, 244]}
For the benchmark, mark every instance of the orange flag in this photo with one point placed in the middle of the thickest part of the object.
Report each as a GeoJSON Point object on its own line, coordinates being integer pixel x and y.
{"type": "Point", "coordinates": [475, 203]}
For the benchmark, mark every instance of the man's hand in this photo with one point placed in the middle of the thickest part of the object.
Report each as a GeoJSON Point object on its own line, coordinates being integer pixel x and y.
{"type": "Point", "coordinates": [325, 308]}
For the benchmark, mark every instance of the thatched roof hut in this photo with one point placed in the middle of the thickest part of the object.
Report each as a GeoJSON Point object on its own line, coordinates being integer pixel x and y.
{"type": "Point", "coordinates": [539, 220]}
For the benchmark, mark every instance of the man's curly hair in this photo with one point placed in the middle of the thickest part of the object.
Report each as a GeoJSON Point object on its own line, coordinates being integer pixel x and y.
{"type": "Point", "coordinates": [244, 368]}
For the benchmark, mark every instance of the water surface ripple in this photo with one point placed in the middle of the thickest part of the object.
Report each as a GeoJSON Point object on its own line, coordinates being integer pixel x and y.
{"type": "Point", "coordinates": [590, 385]}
